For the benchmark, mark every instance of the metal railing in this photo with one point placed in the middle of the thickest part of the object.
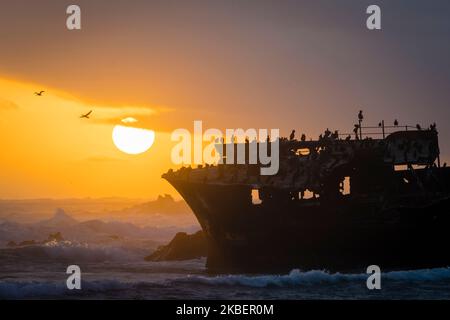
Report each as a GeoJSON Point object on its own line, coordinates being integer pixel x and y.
{"type": "Point", "coordinates": [384, 130]}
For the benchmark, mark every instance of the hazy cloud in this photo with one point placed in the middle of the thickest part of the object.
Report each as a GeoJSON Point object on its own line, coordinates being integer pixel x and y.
{"type": "Point", "coordinates": [7, 105]}
{"type": "Point", "coordinates": [102, 159]}
{"type": "Point", "coordinates": [162, 120]}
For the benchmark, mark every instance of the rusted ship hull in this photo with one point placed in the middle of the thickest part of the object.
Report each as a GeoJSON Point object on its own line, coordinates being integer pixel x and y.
{"type": "Point", "coordinates": [394, 231]}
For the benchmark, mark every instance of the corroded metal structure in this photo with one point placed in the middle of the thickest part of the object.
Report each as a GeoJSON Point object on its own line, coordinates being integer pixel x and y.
{"type": "Point", "coordinates": [337, 204]}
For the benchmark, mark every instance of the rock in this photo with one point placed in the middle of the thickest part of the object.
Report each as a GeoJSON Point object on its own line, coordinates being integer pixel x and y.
{"type": "Point", "coordinates": [182, 247]}
{"type": "Point", "coordinates": [28, 243]}
{"type": "Point", "coordinates": [11, 244]}
{"type": "Point", "coordinates": [55, 237]}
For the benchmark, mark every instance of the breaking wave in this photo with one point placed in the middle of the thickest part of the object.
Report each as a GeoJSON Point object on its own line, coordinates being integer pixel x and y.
{"type": "Point", "coordinates": [73, 251]}
{"type": "Point", "coordinates": [299, 278]}
{"type": "Point", "coordinates": [183, 286]}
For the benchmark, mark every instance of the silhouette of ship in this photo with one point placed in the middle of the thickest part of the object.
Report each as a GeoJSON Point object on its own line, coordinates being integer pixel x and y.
{"type": "Point", "coordinates": [374, 198]}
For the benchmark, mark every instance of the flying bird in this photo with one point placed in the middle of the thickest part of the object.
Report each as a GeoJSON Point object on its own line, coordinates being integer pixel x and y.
{"type": "Point", "coordinates": [39, 93]}
{"type": "Point", "coordinates": [86, 115]}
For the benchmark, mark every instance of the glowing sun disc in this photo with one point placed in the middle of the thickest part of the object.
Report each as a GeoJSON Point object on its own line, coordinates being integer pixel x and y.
{"type": "Point", "coordinates": [132, 140]}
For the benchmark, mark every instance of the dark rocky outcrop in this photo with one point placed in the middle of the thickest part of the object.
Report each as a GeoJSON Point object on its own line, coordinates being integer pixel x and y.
{"type": "Point", "coordinates": [28, 243]}
{"type": "Point", "coordinates": [182, 247]}
{"type": "Point", "coordinates": [11, 244]}
{"type": "Point", "coordinates": [57, 236]}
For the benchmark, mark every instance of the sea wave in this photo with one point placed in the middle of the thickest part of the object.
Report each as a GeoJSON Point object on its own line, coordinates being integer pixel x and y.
{"type": "Point", "coordinates": [66, 251]}
{"type": "Point", "coordinates": [437, 274]}
{"type": "Point", "coordinates": [29, 289]}
{"type": "Point", "coordinates": [40, 289]}
{"type": "Point", "coordinates": [101, 288]}
{"type": "Point", "coordinates": [157, 286]}
{"type": "Point", "coordinates": [301, 278]}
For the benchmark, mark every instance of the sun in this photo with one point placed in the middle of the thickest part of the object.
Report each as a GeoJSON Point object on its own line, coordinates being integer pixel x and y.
{"type": "Point", "coordinates": [132, 140]}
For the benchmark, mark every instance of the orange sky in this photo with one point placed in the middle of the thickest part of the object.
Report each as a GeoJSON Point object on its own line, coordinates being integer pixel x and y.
{"type": "Point", "coordinates": [48, 151]}
{"type": "Point", "coordinates": [303, 64]}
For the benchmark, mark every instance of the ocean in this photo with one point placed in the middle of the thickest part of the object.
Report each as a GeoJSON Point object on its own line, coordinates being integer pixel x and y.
{"type": "Point", "coordinates": [108, 272]}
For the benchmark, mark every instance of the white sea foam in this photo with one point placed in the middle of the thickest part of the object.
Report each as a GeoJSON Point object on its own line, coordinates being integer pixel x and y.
{"type": "Point", "coordinates": [299, 278]}
{"type": "Point", "coordinates": [79, 252]}
{"type": "Point", "coordinates": [153, 286]}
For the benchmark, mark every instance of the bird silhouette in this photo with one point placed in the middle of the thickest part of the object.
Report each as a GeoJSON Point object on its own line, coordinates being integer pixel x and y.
{"type": "Point", "coordinates": [433, 126]}
{"type": "Point", "coordinates": [395, 122]}
{"type": "Point", "coordinates": [292, 136]}
{"type": "Point", "coordinates": [86, 115]}
{"type": "Point", "coordinates": [39, 93]}
{"type": "Point", "coordinates": [418, 127]}
{"type": "Point", "coordinates": [360, 115]}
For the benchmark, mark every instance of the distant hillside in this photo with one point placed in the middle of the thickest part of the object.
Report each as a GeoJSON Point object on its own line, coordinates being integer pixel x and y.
{"type": "Point", "coordinates": [163, 204]}
{"type": "Point", "coordinates": [163, 212]}
{"type": "Point", "coordinates": [90, 231]}
{"type": "Point", "coordinates": [60, 219]}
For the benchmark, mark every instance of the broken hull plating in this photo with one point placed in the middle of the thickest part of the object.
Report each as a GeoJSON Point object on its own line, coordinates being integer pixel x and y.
{"type": "Point", "coordinates": [344, 234]}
